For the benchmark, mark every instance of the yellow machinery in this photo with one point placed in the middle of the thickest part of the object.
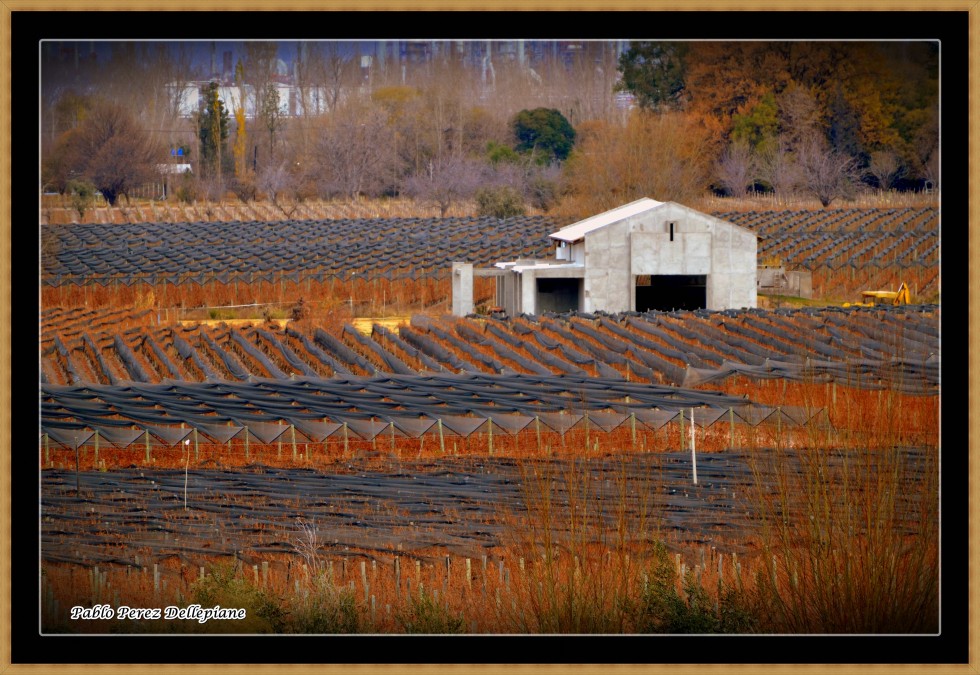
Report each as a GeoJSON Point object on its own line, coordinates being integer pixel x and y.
{"type": "Point", "coordinates": [872, 298]}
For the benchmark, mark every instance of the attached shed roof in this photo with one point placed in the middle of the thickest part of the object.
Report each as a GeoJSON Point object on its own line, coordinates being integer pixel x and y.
{"type": "Point", "coordinates": [577, 231]}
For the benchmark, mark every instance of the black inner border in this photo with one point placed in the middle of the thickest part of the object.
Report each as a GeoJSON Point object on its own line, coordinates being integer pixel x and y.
{"type": "Point", "coordinates": [28, 27]}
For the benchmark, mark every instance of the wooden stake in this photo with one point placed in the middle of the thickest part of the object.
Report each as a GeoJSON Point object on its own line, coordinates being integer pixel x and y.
{"type": "Point", "coordinates": [77, 491]}
{"type": "Point", "coordinates": [682, 429]}
{"type": "Point", "coordinates": [694, 459]}
{"type": "Point", "coordinates": [442, 440]}
{"type": "Point", "coordinates": [731, 429]}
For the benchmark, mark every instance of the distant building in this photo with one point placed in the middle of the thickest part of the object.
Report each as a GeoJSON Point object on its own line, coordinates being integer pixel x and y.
{"type": "Point", "coordinates": [189, 96]}
{"type": "Point", "coordinates": [641, 256]}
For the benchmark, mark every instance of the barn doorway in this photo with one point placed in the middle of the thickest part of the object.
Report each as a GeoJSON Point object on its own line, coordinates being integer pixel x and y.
{"type": "Point", "coordinates": [666, 293]}
{"type": "Point", "coordinates": [559, 295]}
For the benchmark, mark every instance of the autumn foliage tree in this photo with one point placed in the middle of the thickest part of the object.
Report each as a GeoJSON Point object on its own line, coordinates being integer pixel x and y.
{"type": "Point", "coordinates": [661, 156]}
{"type": "Point", "coordinates": [109, 150]}
{"type": "Point", "coordinates": [862, 98]}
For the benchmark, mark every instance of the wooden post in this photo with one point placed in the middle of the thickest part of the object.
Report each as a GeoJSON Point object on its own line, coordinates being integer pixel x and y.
{"type": "Point", "coordinates": [292, 434]}
{"type": "Point", "coordinates": [537, 429]}
{"type": "Point", "coordinates": [345, 439]}
{"type": "Point", "coordinates": [731, 429]}
{"type": "Point", "coordinates": [694, 459]}
{"type": "Point", "coordinates": [246, 442]}
{"type": "Point", "coordinates": [490, 435]}
{"type": "Point", "coordinates": [186, 465]}
{"type": "Point", "coordinates": [146, 456]}
{"type": "Point", "coordinates": [96, 448]}
{"type": "Point", "coordinates": [77, 491]}
{"type": "Point", "coordinates": [364, 581]}
{"type": "Point", "coordinates": [47, 450]}
{"type": "Point", "coordinates": [633, 428]}
{"type": "Point", "coordinates": [682, 429]}
{"type": "Point", "coordinates": [197, 449]}
{"type": "Point", "coordinates": [442, 440]}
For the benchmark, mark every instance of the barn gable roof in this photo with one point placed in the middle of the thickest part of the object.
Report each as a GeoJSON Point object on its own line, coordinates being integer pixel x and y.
{"type": "Point", "coordinates": [576, 231]}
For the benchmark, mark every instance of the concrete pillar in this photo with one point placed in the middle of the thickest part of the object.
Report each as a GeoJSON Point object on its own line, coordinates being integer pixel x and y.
{"type": "Point", "coordinates": [462, 288]}
{"type": "Point", "coordinates": [529, 292]}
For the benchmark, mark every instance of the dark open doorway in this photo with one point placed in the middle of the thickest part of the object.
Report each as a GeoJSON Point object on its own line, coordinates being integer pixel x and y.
{"type": "Point", "coordinates": [669, 292]}
{"type": "Point", "coordinates": [559, 295]}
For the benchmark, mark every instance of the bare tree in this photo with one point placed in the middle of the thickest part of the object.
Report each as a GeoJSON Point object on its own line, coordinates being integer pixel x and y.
{"type": "Point", "coordinates": [357, 152]}
{"type": "Point", "coordinates": [930, 168]}
{"type": "Point", "coordinates": [736, 170]}
{"type": "Point", "coordinates": [885, 167]}
{"type": "Point", "coordinates": [827, 174]}
{"type": "Point", "coordinates": [447, 180]}
{"type": "Point", "coordinates": [279, 185]}
{"type": "Point", "coordinates": [778, 167]}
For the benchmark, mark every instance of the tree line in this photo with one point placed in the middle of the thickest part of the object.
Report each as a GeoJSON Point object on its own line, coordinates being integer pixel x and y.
{"type": "Point", "coordinates": [669, 120]}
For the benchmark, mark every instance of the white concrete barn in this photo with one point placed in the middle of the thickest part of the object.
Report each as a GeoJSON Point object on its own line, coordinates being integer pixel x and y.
{"type": "Point", "coordinates": [640, 256]}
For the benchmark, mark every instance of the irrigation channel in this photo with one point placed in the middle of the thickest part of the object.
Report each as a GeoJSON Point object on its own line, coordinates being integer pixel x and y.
{"type": "Point", "coordinates": [460, 506]}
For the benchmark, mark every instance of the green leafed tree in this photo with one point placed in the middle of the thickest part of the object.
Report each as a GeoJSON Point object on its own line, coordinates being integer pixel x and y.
{"type": "Point", "coordinates": [272, 116]}
{"type": "Point", "coordinates": [654, 73]}
{"type": "Point", "coordinates": [759, 124]}
{"type": "Point", "coordinates": [544, 133]}
{"type": "Point", "coordinates": [212, 130]}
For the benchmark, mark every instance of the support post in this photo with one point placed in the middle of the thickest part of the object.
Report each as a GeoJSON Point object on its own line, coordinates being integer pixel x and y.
{"type": "Point", "coordinates": [731, 429]}
{"type": "Point", "coordinates": [682, 429]}
{"type": "Point", "coordinates": [694, 459]}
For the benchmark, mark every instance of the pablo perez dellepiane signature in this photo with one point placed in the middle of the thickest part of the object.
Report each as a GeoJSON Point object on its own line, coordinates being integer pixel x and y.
{"type": "Point", "coordinates": [171, 612]}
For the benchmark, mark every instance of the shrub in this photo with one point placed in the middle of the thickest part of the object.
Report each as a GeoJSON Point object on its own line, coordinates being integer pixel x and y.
{"type": "Point", "coordinates": [223, 586]}
{"type": "Point", "coordinates": [82, 196]}
{"type": "Point", "coordinates": [662, 609]}
{"type": "Point", "coordinates": [425, 615]}
{"type": "Point", "coordinates": [327, 609]}
{"type": "Point", "coordinates": [500, 202]}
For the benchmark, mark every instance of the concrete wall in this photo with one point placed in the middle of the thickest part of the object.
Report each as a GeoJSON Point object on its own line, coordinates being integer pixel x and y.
{"type": "Point", "coordinates": [462, 288]}
{"type": "Point", "coordinates": [608, 279]}
{"type": "Point", "coordinates": [642, 244]}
